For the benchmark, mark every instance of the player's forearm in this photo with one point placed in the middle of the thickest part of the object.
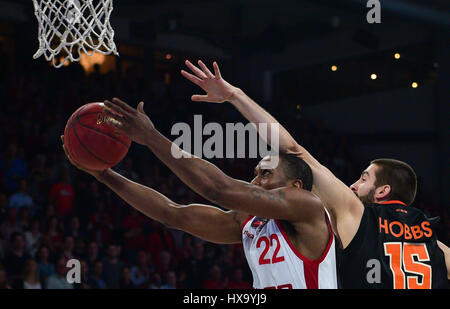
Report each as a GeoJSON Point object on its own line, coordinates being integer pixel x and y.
{"type": "Point", "coordinates": [146, 200]}
{"type": "Point", "coordinates": [200, 175]}
{"type": "Point", "coordinates": [256, 114]}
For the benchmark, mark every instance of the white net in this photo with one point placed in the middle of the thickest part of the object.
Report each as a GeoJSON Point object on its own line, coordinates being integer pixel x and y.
{"type": "Point", "coordinates": [68, 28]}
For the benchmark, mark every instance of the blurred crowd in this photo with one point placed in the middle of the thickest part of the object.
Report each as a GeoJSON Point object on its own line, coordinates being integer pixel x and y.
{"type": "Point", "coordinates": [51, 213]}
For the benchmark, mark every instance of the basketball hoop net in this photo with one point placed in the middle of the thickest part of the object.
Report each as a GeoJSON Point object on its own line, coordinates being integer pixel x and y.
{"type": "Point", "coordinates": [68, 28]}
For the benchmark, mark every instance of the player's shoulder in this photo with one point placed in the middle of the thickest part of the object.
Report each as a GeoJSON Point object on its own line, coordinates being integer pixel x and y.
{"type": "Point", "coordinates": [300, 197]}
{"type": "Point", "coordinates": [396, 209]}
{"type": "Point", "coordinates": [308, 206]}
{"type": "Point", "coordinates": [302, 193]}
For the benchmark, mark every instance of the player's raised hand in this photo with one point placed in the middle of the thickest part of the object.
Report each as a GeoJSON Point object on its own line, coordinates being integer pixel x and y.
{"type": "Point", "coordinates": [217, 89]}
{"type": "Point", "coordinates": [133, 122]}
{"type": "Point", "coordinates": [96, 174]}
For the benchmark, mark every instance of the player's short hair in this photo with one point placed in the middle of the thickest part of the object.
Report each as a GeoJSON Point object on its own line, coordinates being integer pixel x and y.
{"type": "Point", "coordinates": [295, 167]}
{"type": "Point", "coordinates": [400, 176]}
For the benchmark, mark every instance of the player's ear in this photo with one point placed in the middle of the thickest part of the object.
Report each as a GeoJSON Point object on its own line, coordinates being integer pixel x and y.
{"type": "Point", "coordinates": [298, 184]}
{"type": "Point", "coordinates": [140, 107]}
{"type": "Point", "coordinates": [382, 192]}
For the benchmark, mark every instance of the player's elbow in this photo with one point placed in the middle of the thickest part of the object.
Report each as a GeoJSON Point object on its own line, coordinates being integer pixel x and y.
{"type": "Point", "coordinates": [167, 214]}
{"type": "Point", "coordinates": [294, 148]}
{"type": "Point", "coordinates": [173, 217]}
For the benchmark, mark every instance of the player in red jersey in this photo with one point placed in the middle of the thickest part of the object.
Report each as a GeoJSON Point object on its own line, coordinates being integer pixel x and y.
{"type": "Point", "coordinates": [294, 248]}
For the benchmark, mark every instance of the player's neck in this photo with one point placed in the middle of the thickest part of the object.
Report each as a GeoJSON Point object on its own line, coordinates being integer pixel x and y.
{"type": "Point", "coordinates": [389, 201]}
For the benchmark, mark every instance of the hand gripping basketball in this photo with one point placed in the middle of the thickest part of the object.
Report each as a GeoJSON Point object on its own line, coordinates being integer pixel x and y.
{"type": "Point", "coordinates": [96, 174]}
{"type": "Point", "coordinates": [132, 122]}
{"type": "Point", "coordinates": [91, 142]}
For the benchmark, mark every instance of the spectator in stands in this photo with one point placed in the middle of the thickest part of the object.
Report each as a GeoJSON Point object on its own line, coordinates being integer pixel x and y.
{"type": "Point", "coordinates": [140, 273]}
{"type": "Point", "coordinates": [125, 279]}
{"type": "Point", "coordinates": [95, 279]}
{"type": "Point", "coordinates": [155, 281]}
{"type": "Point", "coordinates": [59, 280]}
{"type": "Point", "coordinates": [33, 237]}
{"type": "Point", "coordinates": [84, 278]}
{"type": "Point", "coordinates": [196, 267]}
{"type": "Point", "coordinates": [44, 215]}
{"type": "Point", "coordinates": [24, 218]}
{"type": "Point", "coordinates": [100, 224]}
{"type": "Point", "coordinates": [185, 250]}
{"type": "Point", "coordinates": [13, 168]}
{"type": "Point", "coordinates": [9, 226]}
{"type": "Point", "coordinates": [4, 284]}
{"type": "Point", "coordinates": [181, 278]}
{"type": "Point", "coordinates": [227, 261]}
{"type": "Point", "coordinates": [214, 280]}
{"type": "Point", "coordinates": [21, 198]}
{"type": "Point", "coordinates": [2, 252]}
{"type": "Point", "coordinates": [112, 266]}
{"type": "Point", "coordinates": [38, 184]}
{"type": "Point", "coordinates": [84, 275]}
{"type": "Point", "coordinates": [3, 206]}
{"type": "Point", "coordinates": [16, 258]}
{"type": "Point", "coordinates": [74, 228]}
{"type": "Point", "coordinates": [45, 267]}
{"type": "Point", "coordinates": [31, 280]}
{"type": "Point", "coordinates": [67, 248]}
{"type": "Point", "coordinates": [160, 239]}
{"type": "Point", "coordinates": [237, 280]}
{"type": "Point", "coordinates": [79, 249]}
{"type": "Point", "coordinates": [170, 281]}
{"type": "Point", "coordinates": [62, 194]}
{"type": "Point", "coordinates": [92, 254]}
{"type": "Point", "coordinates": [164, 264]}
{"type": "Point", "coordinates": [54, 236]}
{"type": "Point", "coordinates": [132, 226]}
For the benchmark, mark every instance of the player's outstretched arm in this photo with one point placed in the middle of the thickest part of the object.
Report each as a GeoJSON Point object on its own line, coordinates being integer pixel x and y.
{"type": "Point", "coordinates": [289, 203]}
{"type": "Point", "coordinates": [336, 196]}
{"type": "Point", "coordinates": [219, 90]}
{"type": "Point", "coordinates": [196, 219]}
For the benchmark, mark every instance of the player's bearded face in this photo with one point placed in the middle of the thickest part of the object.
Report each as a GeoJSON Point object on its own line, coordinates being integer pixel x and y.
{"type": "Point", "coordinates": [364, 188]}
{"type": "Point", "coordinates": [368, 197]}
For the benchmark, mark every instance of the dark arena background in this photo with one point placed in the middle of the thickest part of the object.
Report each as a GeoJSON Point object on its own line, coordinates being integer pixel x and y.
{"type": "Point", "coordinates": [348, 90]}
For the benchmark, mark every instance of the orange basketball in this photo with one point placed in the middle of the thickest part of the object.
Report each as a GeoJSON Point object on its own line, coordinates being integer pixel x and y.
{"type": "Point", "coordinates": [92, 143]}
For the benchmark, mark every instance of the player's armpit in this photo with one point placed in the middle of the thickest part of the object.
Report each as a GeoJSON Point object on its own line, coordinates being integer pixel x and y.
{"type": "Point", "coordinates": [209, 223]}
{"type": "Point", "coordinates": [345, 208]}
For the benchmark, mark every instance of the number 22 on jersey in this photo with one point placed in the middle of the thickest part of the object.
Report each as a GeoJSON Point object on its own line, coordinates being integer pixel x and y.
{"type": "Point", "coordinates": [267, 244]}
